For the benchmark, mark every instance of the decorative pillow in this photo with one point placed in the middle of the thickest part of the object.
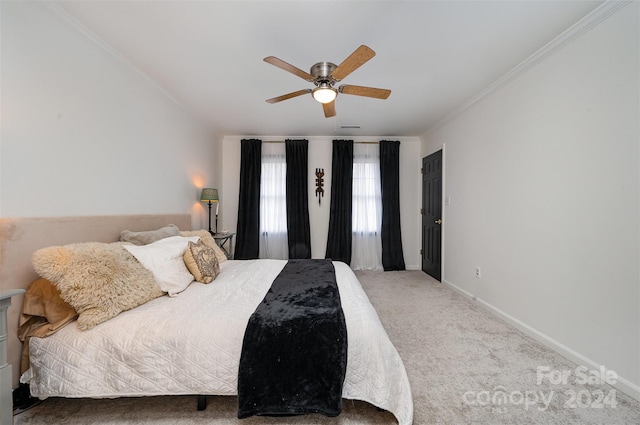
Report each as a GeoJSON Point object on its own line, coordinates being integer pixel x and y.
{"type": "Point", "coordinates": [98, 280]}
{"type": "Point", "coordinates": [206, 237]}
{"type": "Point", "coordinates": [164, 259]}
{"type": "Point", "coordinates": [150, 236]}
{"type": "Point", "coordinates": [201, 261]}
{"type": "Point", "coordinates": [44, 311]}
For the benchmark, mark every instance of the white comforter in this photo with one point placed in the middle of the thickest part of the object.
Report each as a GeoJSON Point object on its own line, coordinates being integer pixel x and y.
{"type": "Point", "coordinates": [191, 344]}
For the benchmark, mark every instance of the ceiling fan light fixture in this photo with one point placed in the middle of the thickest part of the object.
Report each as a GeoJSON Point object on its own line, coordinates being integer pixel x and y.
{"type": "Point", "coordinates": [324, 93]}
{"type": "Point", "coordinates": [324, 75]}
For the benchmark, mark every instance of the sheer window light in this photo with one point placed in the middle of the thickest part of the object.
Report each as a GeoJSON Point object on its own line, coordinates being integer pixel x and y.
{"type": "Point", "coordinates": [273, 202]}
{"type": "Point", "coordinates": [366, 208]}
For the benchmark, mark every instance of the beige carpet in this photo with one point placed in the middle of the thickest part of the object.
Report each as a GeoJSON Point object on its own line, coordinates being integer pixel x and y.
{"type": "Point", "coordinates": [465, 367]}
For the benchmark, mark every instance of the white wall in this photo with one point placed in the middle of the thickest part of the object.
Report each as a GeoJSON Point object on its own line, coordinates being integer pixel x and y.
{"type": "Point", "coordinates": [544, 187]}
{"type": "Point", "coordinates": [83, 133]}
{"type": "Point", "coordinates": [320, 150]}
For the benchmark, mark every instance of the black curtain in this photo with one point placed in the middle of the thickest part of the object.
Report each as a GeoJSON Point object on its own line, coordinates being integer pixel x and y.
{"type": "Point", "coordinates": [339, 238]}
{"type": "Point", "coordinates": [298, 230]}
{"type": "Point", "coordinates": [392, 256]}
{"type": "Point", "coordinates": [248, 231]}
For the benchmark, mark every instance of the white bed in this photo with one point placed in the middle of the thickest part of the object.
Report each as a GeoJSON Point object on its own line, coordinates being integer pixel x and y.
{"type": "Point", "coordinates": [191, 344]}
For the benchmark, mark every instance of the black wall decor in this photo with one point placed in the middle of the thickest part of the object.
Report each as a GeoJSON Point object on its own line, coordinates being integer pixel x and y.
{"type": "Point", "coordinates": [319, 184]}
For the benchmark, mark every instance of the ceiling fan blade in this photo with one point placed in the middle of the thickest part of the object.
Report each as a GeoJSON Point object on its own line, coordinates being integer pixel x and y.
{"type": "Point", "coordinates": [288, 67]}
{"type": "Point", "coordinates": [355, 60]}
{"type": "Point", "coordinates": [329, 109]}
{"type": "Point", "coordinates": [288, 96]}
{"type": "Point", "coordinates": [365, 91]}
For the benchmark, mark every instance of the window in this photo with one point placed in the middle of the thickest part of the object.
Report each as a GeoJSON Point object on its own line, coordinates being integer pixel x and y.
{"type": "Point", "coordinates": [273, 202]}
{"type": "Point", "coordinates": [366, 208]}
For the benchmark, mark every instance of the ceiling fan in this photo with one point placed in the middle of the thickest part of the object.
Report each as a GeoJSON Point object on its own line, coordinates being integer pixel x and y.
{"type": "Point", "coordinates": [325, 74]}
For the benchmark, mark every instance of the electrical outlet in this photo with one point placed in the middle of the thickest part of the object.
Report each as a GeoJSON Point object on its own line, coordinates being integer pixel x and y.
{"type": "Point", "coordinates": [478, 272]}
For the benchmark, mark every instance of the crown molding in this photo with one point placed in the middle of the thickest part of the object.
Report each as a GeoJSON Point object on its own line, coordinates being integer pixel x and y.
{"type": "Point", "coordinates": [591, 20]}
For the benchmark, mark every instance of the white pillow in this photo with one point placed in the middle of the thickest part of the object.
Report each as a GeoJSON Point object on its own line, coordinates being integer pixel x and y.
{"type": "Point", "coordinates": [164, 259]}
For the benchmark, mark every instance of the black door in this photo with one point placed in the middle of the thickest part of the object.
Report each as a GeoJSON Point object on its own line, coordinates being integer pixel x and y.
{"type": "Point", "coordinates": [432, 214]}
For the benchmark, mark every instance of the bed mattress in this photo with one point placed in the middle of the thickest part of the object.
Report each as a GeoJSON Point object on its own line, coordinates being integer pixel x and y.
{"type": "Point", "coordinates": [191, 344]}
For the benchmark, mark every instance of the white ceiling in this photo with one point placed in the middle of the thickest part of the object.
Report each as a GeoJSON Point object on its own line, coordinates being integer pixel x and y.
{"type": "Point", "coordinates": [432, 55]}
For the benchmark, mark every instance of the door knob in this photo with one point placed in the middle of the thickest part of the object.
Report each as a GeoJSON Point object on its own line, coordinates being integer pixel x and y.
{"type": "Point", "coordinates": [438, 221]}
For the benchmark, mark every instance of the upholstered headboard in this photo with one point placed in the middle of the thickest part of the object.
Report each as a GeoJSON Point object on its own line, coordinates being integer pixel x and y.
{"type": "Point", "coordinates": [21, 237]}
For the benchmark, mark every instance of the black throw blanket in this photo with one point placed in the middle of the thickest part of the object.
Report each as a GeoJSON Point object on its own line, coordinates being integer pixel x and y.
{"type": "Point", "coordinates": [294, 353]}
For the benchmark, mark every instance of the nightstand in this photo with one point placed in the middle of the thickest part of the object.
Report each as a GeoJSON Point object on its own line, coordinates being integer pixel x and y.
{"type": "Point", "coordinates": [6, 398]}
{"type": "Point", "coordinates": [225, 242]}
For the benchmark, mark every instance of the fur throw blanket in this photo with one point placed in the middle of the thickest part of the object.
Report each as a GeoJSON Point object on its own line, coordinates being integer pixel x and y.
{"type": "Point", "coordinates": [99, 280]}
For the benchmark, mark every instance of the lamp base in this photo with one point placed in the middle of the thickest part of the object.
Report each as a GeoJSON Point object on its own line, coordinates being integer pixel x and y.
{"type": "Point", "coordinates": [212, 233]}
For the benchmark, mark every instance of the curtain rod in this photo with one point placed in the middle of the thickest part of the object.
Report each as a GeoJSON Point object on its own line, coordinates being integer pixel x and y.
{"type": "Point", "coordinates": [357, 143]}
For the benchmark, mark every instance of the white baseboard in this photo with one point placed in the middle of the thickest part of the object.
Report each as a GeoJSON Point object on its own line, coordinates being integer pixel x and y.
{"type": "Point", "coordinates": [622, 384]}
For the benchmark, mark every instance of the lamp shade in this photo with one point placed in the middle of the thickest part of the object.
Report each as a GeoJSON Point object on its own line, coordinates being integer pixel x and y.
{"type": "Point", "coordinates": [209, 195]}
